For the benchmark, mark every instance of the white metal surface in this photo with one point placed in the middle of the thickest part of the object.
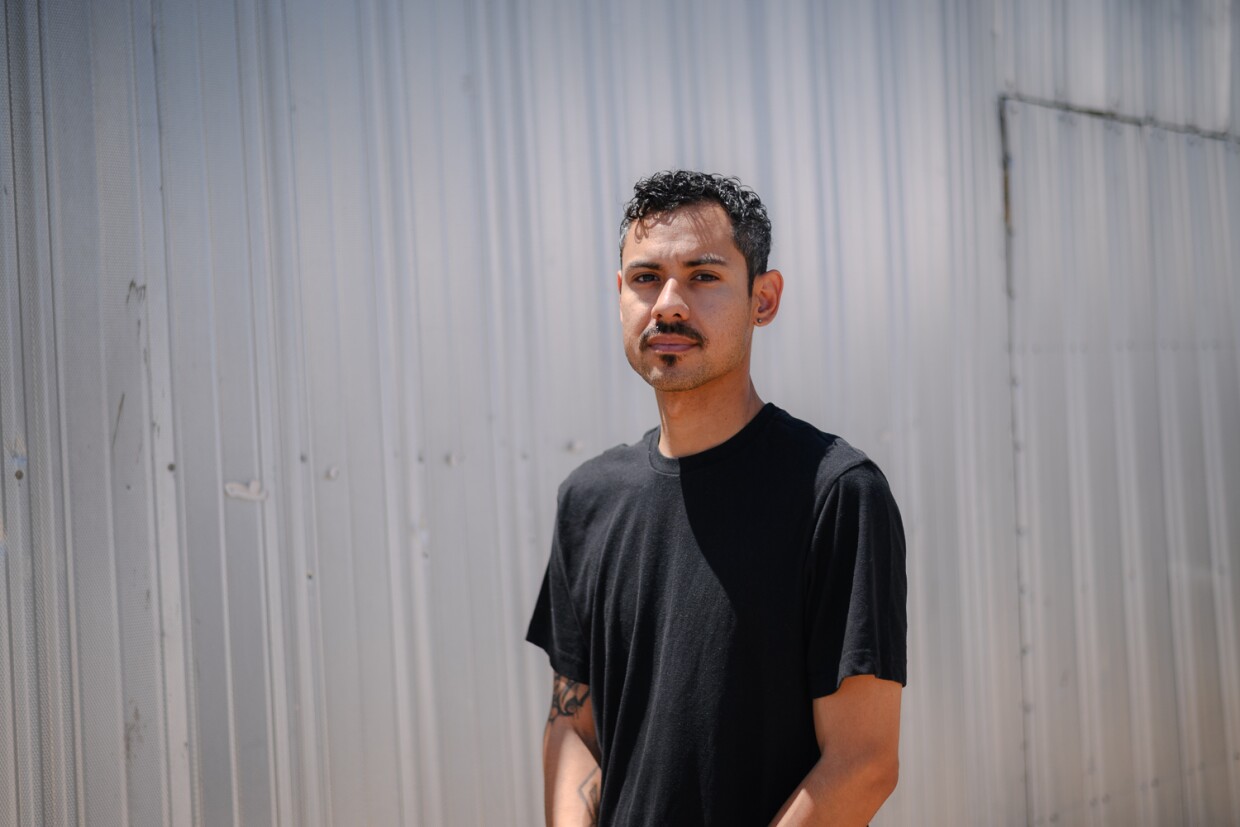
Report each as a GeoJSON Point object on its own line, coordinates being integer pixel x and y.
{"type": "Point", "coordinates": [1126, 369]}
{"type": "Point", "coordinates": [307, 309]}
{"type": "Point", "coordinates": [1171, 61]}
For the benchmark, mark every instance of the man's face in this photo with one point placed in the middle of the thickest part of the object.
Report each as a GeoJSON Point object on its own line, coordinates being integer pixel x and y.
{"type": "Point", "coordinates": [685, 305]}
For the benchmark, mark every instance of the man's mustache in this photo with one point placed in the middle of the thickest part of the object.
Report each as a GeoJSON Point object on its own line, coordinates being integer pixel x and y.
{"type": "Point", "coordinates": [671, 329]}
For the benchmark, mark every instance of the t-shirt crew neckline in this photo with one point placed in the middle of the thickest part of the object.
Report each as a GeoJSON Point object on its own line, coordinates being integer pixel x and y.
{"type": "Point", "coordinates": [674, 466]}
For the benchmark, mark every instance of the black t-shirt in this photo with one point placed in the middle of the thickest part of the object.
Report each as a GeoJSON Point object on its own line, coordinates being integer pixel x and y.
{"type": "Point", "coordinates": [707, 600]}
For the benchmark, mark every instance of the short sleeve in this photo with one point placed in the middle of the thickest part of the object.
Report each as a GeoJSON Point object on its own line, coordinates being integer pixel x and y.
{"type": "Point", "coordinates": [555, 626]}
{"type": "Point", "coordinates": [857, 586]}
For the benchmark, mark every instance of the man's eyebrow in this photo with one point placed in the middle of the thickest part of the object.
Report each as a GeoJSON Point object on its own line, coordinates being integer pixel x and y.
{"type": "Point", "coordinates": [704, 258]}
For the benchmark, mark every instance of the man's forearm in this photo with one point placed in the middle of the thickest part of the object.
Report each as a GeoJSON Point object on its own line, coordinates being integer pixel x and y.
{"type": "Point", "coordinates": [571, 777]}
{"type": "Point", "coordinates": [839, 794]}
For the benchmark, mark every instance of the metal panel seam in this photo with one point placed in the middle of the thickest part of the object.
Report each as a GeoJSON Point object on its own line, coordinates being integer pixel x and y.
{"type": "Point", "coordinates": [1020, 541]}
{"type": "Point", "coordinates": [1148, 121]}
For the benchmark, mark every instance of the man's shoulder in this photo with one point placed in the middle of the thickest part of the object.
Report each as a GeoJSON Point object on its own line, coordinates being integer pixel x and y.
{"type": "Point", "coordinates": [617, 466]}
{"type": "Point", "coordinates": [830, 456]}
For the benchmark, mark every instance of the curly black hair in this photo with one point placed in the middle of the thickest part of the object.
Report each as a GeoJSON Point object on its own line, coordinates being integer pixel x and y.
{"type": "Point", "coordinates": [668, 190]}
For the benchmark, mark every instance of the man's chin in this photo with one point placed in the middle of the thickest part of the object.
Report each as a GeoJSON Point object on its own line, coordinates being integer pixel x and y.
{"type": "Point", "coordinates": [669, 381]}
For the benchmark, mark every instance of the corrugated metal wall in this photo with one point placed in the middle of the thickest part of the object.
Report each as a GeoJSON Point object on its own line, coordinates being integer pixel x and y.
{"type": "Point", "coordinates": [1126, 300]}
{"type": "Point", "coordinates": [306, 310]}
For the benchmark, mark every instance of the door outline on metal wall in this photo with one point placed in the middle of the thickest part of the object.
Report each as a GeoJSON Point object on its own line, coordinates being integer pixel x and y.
{"type": "Point", "coordinates": [1122, 320]}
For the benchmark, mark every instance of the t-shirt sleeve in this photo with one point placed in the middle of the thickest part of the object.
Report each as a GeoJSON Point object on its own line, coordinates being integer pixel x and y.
{"type": "Point", "coordinates": [555, 626]}
{"type": "Point", "coordinates": [856, 615]}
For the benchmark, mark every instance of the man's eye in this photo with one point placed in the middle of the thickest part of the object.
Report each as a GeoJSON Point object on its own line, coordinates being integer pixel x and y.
{"type": "Point", "coordinates": [644, 278]}
{"type": "Point", "coordinates": [705, 277]}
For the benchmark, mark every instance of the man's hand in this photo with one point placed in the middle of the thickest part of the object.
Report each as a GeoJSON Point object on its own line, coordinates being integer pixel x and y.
{"type": "Point", "coordinates": [572, 781]}
{"type": "Point", "coordinates": [858, 729]}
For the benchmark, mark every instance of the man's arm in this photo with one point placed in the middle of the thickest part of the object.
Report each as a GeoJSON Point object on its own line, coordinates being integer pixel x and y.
{"type": "Point", "coordinates": [858, 729]}
{"type": "Point", "coordinates": [572, 780]}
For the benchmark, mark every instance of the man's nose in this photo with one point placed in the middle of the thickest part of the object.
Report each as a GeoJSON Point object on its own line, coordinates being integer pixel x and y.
{"type": "Point", "coordinates": [671, 303]}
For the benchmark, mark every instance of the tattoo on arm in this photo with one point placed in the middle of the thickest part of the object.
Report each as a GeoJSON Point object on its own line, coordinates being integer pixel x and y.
{"type": "Point", "coordinates": [590, 791]}
{"type": "Point", "coordinates": [567, 697]}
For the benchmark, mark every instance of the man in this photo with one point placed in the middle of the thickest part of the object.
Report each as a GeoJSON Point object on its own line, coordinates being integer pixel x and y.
{"type": "Point", "coordinates": [724, 607]}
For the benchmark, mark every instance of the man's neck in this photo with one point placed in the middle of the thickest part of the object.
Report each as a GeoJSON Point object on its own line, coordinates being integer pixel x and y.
{"type": "Point", "coordinates": [693, 421]}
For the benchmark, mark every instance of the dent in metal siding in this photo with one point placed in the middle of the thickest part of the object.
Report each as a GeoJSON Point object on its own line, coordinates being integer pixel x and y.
{"type": "Point", "coordinates": [1118, 241]}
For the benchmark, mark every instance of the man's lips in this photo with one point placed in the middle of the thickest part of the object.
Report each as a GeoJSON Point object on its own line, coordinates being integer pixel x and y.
{"type": "Point", "coordinates": [669, 344]}
{"type": "Point", "coordinates": [675, 337]}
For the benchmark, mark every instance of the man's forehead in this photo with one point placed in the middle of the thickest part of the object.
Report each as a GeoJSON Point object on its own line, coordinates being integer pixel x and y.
{"type": "Point", "coordinates": [703, 229]}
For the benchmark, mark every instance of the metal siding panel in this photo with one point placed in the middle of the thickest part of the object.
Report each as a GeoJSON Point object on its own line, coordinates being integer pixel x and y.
{"type": "Point", "coordinates": [297, 35]}
{"type": "Point", "coordinates": [1044, 228]}
{"type": "Point", "coordinates": [75, 575]}
{"type": "Point", "coordinates": [170, 653]}
{"type": "Point", "coordinates": [1103, 663]}
{"type": "Point", "coordinates": [1125, 747]}
{"type": "Point", "coordinates": [434, 74]}
{"type": "Point", "coordinates": [1082, 75]}
{"type": "Point", "coordinates": [109, 338]}
{"type": "Point", "coordinates": [516, 552]}
{"type": "Point", "coordinates": [195, 365]}
{"type": "Point", "coordinates": [921, 274]}
{"type": "Point", "coordinates": [391, 549]}
{"type": "Point", "coordinates": [1140, 475]}
{"type": "Point", "coordinates": [297, 703]}
{"type": "Point", "coordinates": [14, 505]}
{"type": "Point", "coordinates": [1172, 62]}
{"type": "Point", "coordinates": [1230, 185]}
{"type": "Point", "coordinates": [34, 501]}
{"type": "Point", "coordinates": [986, 497]}
{"type": "Point", "coordinates": [1233, 74]}
{"type": "Point", "coordinates": [1193, 591]}
{"type": "Point", "coordinates": [1219, 353]}
{"type": "Point", "coordinates": [1164, 65]}
{"type": "Point", "coordinates": [1114, 352]}
{"type": "Point", "coordinates": [422, 788]}
{"type": "Point", "coordinates": [91, 415]}
{"type": "Point", "coordinates": [1211, 43]}
{"type": "Point", "coordinates": [230, 329]}
{"type": "Point", "coordinates": [806, 146]}
{"type": "Point", "coordinates": [1126, 83]}
{"type": "Point", "coordinates": [1179, 411]}
{"type": "Point", "coordinates": [355, 444]}
{"type": "Point", "coordinates": [272, 708]}
{"type": "Point", "coordinates": [319, 78]}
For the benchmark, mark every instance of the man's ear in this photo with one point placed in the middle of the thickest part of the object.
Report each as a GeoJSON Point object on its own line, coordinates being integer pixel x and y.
{"type": "Point", "coordinates": [619, 282]}
{"type": "Point", "coordinates": [767, 289]}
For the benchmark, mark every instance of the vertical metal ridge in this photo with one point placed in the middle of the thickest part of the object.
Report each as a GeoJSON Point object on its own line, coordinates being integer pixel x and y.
{"type": "Point", "coordinates": [1213, 352]}
{"type": "Point", "coordinates": [43, 789]}
{"type": "Point", "coordinates": [14, 507]}
{"type": "Point", "coordinates": [256, 155]}
{"type": "Point", "coordinates": [427, 790]}
{"type": "Point", "coordinates": [1230, 183]}
{"type": "Point", "coordinates": [520, 783]}
{"type": "Point", "coordinates": [310, 795]}
{"type": "Point", "coordinates": [381, 99]}
{"type": "Point", "coordinates": [175, 633]}
{"type": "Point", "coordinates": [1169, 333]}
